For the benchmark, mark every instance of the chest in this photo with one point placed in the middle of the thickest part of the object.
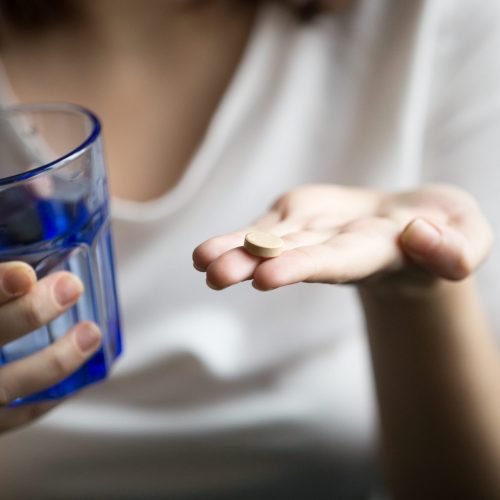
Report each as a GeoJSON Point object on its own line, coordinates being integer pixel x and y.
{"type": "Point", "coordinates": [155, 99]}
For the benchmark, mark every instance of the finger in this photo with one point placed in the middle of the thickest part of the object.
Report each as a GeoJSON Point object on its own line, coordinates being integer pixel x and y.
{"type": "Point", "coordinates": [279, 227]}
{"type": "Point", "coordinates": [237, 265]}
{"type": "Point", "coordinates": [232, 267]}
{"type": "Point", "coordinates": [16, 279]}
{"type": "Point", "coordinates": [348, 257]}
{"type": "Point", "coordinates": [47, 299]}
{"type": "Point", "coordinates": [50, 365]}
{"type": "Point", "coordinates": [472, 224]}
{"type": "Point", "coordinates": [445, 250]}
{"type": "Point", "coordinates": [206, 253]}
{"type": "Point", "coordinates": [42, 186]}
{"type": "Point", "coordinates": [212, 249]}
{"type": "Point", "coordinates": [269, 219]}
{"type": "Point", "coordinates": [13, 418]}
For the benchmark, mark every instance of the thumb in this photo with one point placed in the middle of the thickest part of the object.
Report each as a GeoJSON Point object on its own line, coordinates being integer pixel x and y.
{"type": "Point", "coordinates": [440, 249]}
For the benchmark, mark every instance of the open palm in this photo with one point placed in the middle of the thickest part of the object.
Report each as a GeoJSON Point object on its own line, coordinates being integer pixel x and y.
{"type": "Point", "coordinates": [334, 234]}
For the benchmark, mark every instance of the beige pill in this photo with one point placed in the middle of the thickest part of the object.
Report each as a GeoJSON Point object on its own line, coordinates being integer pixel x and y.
{"type": "Point", "coordinates": [263, 244]}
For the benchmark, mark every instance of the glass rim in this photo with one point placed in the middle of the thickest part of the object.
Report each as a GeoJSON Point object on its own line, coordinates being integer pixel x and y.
{"type": "Point", "coordinates": [64, 159]}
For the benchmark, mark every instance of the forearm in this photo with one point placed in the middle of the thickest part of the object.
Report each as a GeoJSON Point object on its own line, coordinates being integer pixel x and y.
{"type": "Point", "coordinates": [436, 365]}
{"type": "Point", "coordinates": [437, 375]}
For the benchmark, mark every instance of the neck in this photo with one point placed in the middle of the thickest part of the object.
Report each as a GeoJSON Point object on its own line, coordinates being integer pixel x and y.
{"type": "Point", "coordinates": [170, 65]}
{"type": "Point", "coordinates": [116, 25]}
{"type": "Point", "coordinates": [134, 25]}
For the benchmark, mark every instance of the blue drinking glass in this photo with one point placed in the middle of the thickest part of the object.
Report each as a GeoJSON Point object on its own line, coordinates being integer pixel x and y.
{"type": "Point", "coordinates": [54, 215]}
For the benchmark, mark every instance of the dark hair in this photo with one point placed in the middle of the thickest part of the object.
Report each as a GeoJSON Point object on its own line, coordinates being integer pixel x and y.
{"type": "Point", "coordinates": [36, 15]}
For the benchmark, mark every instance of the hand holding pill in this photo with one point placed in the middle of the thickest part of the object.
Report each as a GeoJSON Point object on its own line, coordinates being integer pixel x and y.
{"type": "Point", "coordinates": [333, 234]}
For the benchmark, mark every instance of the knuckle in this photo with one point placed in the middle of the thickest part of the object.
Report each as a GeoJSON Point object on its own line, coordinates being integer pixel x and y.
{"type": "Point", "coordinates": [34, 312]}
{"type": "Point", "coordinates": [60, 364]}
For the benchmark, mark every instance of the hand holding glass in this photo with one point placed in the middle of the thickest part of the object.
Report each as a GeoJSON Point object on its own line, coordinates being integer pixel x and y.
{"type": "Point", "coordinates": [54, 216]}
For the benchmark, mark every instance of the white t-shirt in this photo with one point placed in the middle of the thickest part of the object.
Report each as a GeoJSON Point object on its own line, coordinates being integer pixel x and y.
{"type": "Point", "coordinates": [270, 395]}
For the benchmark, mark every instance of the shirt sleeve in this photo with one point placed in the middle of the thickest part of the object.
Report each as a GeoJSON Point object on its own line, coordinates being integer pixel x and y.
{"type": "Point", "coordinates": [462, 144]}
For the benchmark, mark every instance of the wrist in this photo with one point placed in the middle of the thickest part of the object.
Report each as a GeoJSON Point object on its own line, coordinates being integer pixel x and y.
{"type": "Point", "coordinates": [427, 312]}
{"type": "Point", "coordinates": [417, 287]}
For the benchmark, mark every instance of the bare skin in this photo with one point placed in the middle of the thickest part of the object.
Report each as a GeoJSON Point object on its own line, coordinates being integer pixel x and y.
{"type": "Point", "coordinates": [25, 305]}
{"type": "Point", "coordinates": [435, 361]}
{"type": "Point", "coordinates": [400, 249]}
{"type": "Point", "coordinates": [156, 76]}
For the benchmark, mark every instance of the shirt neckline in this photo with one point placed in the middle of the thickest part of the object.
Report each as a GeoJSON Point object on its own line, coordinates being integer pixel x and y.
{"type": "Point", "coordinates": [235, 104]}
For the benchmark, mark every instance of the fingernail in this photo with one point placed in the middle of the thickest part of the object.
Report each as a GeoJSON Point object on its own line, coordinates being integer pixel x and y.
{"type": "Point", "coordinates": [420, 237]}
{"type": "Point", "coordinates": [67, 290]}
{"type": "Point", "coordinates": [17, 281]}
{"type": "Point", "coordinates": [88, 337]}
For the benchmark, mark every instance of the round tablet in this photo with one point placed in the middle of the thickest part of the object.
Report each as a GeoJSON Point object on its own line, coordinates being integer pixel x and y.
{"type": "Point", "coordinates": [263, 244]}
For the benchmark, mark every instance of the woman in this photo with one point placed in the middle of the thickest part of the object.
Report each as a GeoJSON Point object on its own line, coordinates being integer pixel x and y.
{"type": "Point", "coordinates": [225, 106]}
